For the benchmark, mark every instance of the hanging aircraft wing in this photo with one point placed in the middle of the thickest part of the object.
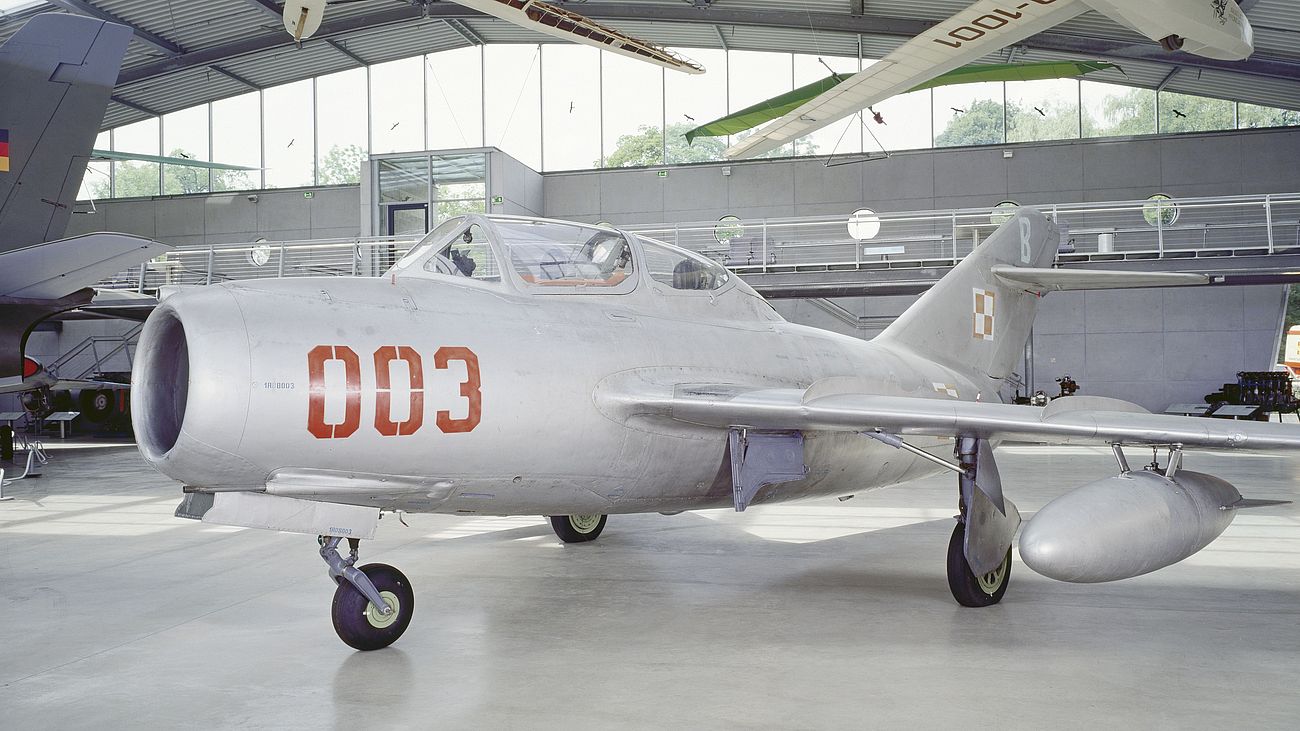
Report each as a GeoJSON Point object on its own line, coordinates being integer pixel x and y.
{"type": "Point", "coordinates": [165, 160]}
{"type": "Point", "coordinates": [839, 404]}
{"type": "Point", "coordinates": [977, 31]}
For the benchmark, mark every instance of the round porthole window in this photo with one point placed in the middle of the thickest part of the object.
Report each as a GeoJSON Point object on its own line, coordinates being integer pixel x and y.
{"type": "Point", "coordinates": [1160, 210]}
{"type": "Point", "coordinates": [864, 224]}
{"type": "Point", "coordinates": [728, 228]}
{"type": "Point", "coordinates": [260, 254]}
{"type": "Point", "coordinates": [1003, 212]}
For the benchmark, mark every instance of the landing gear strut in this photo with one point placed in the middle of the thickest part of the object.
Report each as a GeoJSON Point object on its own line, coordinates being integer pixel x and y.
{"type": "Point", "coordinates": [372, 604]}
{"type": "Point", "coordinates": [992, 521]}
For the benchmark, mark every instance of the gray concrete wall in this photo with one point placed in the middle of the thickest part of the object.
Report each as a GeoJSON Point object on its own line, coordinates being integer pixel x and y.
{"type": "Point", "coordinates": [1154, 347]}
{"type": "Point", "coordinates": [219, 218]}
{"type": "Point", "coordinates": [1231, 163]}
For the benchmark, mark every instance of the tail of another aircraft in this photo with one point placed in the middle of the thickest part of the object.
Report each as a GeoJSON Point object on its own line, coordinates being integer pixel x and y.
{"type": "Point", "coordinates": [973, 320]}
{"type": "Point", "coordinates": [56, 75]}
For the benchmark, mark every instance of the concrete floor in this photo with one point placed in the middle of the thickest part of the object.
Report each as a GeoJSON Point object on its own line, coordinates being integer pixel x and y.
{"type": "Point", "coordinates": [114, 614]}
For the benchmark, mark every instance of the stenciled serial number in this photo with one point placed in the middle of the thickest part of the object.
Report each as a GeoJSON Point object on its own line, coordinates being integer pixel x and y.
{"type": "Point", "coordinates": [278, 385]}
{"type": "Point", "coordinates": [975, 29]}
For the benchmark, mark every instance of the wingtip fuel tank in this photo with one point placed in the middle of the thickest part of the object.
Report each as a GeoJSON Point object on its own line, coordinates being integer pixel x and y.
{"type": "Point", "coordinates": [1127, 525]}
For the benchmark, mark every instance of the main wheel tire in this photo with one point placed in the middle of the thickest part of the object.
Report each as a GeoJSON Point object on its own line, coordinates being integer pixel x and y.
{"type": "Point", "coordinates": [1172, 43]}
{"type": "Point", "coordinates": [578, 528]}
{"type": "Point", "coordinates": [96, 404]}
{"type": "Point", "coordinates": [357, 621]}
{"type": "Point", "coordinates": [968, 589]}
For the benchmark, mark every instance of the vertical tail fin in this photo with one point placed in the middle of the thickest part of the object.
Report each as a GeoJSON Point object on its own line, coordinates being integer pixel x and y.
{"type": "Point", "coordinates": [972, 320]}
{"type": "Point", "coordinates": [56, 75]}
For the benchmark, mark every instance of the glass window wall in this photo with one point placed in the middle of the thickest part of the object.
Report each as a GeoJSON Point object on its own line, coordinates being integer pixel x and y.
{"type": "Point", "coordinates": [454, 88]}
{"type": "Point", "coordinates": [514, 122]}
{"type": "Point", "coordinates": [237, 140]}
{"type": "Point", "coordinates": [633, 111]}
{"type": "Point", "coordinates": [571, 107]}
{"type": "Point", "coordinates": [341, 134]}
{"type": "Point", "coordinates": [969, 114]}
{"type": "Point", "coordinates": [133, 178]}
{"type": "Point", "coordinates": [397, 105]}
{"type": "Point", "coordinates": [290, 149]}
{"type": "Point", "coordinates": [185, 135]}
{"type": "Point", "coordinates": [691, 100]}
{"type": "Point", "coordinates": [585, 109]}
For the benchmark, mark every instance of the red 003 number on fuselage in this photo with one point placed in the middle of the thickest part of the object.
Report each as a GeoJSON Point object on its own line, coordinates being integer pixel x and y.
{"type": "Point", "coordinates": [384, 357]}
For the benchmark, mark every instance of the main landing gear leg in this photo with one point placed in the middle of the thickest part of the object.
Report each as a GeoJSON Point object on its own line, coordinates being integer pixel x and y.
{"type": "Point", "coordinates": [991, 521]}
{"type": "Point", "coordinates": [372, 604]}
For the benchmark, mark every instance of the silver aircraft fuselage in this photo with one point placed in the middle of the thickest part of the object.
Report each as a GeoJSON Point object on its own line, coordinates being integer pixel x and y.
{"type": "Point", "coordinates": [430, 393]}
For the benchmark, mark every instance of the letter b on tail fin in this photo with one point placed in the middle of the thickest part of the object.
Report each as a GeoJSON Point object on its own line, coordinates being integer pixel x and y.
{"type": "Point", "coordinates": [971, 320]}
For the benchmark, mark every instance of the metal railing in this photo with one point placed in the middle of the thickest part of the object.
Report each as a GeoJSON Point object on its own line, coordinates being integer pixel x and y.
{"type": "Point", "coordinates": [1145, 229]}
{"type": "Point", "coordinates": [77, 354]}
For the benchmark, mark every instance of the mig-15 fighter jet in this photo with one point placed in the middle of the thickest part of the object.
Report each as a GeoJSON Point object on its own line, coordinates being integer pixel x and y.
{"type": "Point", "coordinates": [513, 366]}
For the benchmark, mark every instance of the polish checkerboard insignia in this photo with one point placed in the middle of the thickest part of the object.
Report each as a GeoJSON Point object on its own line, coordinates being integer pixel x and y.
{"type": "Point", "coordinates": [947, 389]}
{"type": "Point", "coordinates": [983, 317]}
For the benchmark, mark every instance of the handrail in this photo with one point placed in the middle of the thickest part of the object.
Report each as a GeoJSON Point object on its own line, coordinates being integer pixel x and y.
{"type": "Point", "coordinates": [1152, 229]}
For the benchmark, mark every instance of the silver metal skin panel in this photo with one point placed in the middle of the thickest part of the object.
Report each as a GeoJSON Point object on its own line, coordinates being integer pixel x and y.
{"type": "Point", "coordinates": [547, 442]}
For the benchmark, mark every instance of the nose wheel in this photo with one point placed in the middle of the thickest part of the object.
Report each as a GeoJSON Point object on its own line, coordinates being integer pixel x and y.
{"type": "Point", "coordinates": [372, 604]}
{"type": "Point", "coordinates": [578, 528]}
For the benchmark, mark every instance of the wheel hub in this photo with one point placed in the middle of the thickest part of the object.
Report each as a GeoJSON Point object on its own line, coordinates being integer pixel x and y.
{"type": "Point", "coordinates": [378, 620]}
{"type": "Point", "coordinates": [584, 523]}
{"type": "Point", "coordinates": [992, 581]}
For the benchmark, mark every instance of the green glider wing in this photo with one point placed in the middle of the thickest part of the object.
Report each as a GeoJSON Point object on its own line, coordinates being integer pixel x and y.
{"type": "Point", "coordinates": [778, 106]}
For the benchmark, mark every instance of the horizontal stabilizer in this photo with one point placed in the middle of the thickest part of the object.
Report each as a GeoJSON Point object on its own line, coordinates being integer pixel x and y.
{"type": "Point", "coordinates": [1061, 280]}
{"type": "Point", "coordinates": [59, 268]}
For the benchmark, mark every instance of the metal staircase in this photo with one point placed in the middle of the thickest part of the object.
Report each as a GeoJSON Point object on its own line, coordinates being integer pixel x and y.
{"type": "Point", "coordinates": [102, 349]}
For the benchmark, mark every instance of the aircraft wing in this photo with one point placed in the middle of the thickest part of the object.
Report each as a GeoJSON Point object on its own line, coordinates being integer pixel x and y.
{"type": "Point", "coordinates": [56, 269]}
{"type": "Point", "coordinates": [832, 405]}
{"type": "Point", "coordinates": [975, 32]}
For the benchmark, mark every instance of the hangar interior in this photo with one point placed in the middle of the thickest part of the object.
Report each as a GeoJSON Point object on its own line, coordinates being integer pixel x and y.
{"type": "Point", "coordinates": [337, 154]}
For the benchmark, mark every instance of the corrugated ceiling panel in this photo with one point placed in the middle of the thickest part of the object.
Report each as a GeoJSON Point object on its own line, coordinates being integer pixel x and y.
{"type": "Point", "coordinates": [403, 41]}
{"type": "Point", "coordinates": [192, 25]}
{"type": "Point", "coordinates": [181, 91]}
{"type": "Point", "coordinates": [213, 23]}
{"type": "Point", "coordinates": [1275, 14]}
{"type": "Point", "coordinates": [1266, 92]}
{"type": "Point", "coordinates": [119, 114]}
{"type": "Point", "coordinates": [750, 38]}
{"type": "Point", "coordinates": [285, 65]}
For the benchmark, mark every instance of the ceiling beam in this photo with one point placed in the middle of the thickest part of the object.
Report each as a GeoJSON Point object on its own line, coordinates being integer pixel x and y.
{"type": "Point", "coordinates": [868, 25]}
{"type": "Point", "coordinates": [81, 7]}
{"type": "Point", "coordinates": [1168, 78]}
{"type": "Point", "coordinates": [464, 31]}
{"type": "Point", "coordinates": [344, 50]}
{"type": "Point", "coordinates": [268, 7]}
{"type": "Point", "coordinates": [235, 77]}
{"type": "Point", "coordinates": [721, 38]}
{"type": "Point", "coordinates": [136, 107]}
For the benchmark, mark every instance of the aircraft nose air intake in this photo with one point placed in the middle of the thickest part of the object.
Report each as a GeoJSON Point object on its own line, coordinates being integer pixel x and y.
{"type": "Point", "coordinates": [190, 393]}
{"type": "Point", "coordinates": [161, 384]}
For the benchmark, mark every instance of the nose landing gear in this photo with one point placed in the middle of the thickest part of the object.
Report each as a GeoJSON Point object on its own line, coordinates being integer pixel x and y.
{"type": "Point", "coordinates": [372, 604]}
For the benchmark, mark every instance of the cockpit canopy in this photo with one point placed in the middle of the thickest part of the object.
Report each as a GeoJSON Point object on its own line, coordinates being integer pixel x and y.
{"type": "Point", "coordinates": [545, 256]}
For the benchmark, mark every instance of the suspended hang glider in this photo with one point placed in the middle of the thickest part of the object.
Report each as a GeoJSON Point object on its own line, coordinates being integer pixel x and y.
{"type": "Point", "coordinates": [1211, 28]}
{"type": "Point", "coordinates": [766, 111]}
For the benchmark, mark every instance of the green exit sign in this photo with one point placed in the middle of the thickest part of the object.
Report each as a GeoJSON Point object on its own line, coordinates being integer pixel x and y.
{"type": "Point", "coordinates": [308, 194]}
{"type": "Point", "coordinates": [498, 200]}
{"type": "Point", "coordinates": [662, 173]}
